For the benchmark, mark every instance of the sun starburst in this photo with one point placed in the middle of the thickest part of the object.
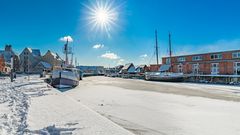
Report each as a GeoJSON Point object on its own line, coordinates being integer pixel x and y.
{"type": "Point", "coordinates": [102, 16]}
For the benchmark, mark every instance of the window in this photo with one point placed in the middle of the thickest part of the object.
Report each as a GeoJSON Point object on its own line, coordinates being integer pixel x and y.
{"type": "Point", "coordinates": [181, 59]}
{"type": "Point", "coordinates": [168, 61]}
{"type": "Point", "coordinates": [215, 68]}
{"type": "Point", "coordinates": [197, 58]}
{"type": "Point", "coordinates": [236, 55]}
{"type": "Point", "coordinates": [216, 56]}
{"type": "Point", "coordinates": [180, 68]}
{"type": "Point", "coordinates": [195, 68]}
{"type": "Point", "coordinates": [237, 68]}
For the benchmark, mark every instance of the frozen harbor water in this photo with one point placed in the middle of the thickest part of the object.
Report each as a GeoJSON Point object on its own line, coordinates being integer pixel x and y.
{"type": "Point", "coordinates": [155, 108]}
{"type": "Point", "coordinates": [114, 106]}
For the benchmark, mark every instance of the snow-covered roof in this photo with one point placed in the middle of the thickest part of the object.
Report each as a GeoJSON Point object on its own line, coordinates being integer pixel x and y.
{"type": "Point", "coordinates": [141, 66]}
{"type": "Point", "coordinates": [164, 68]}
{"type": "Point", "coordinates": [36, 52]}
{"type": "Point", "coordinates": [55, 55]}
{"type": "Point", "coordinates": [127, 66]}
{"type": "Point", "coordinates": [7, 55]}
{"type": "Point", "coordinates": [45, 64]}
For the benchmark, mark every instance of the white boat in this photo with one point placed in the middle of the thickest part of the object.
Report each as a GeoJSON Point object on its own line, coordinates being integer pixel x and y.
{"type": "Point", "coordinates": [65, 78]}
{"type": "Point", "coordinates": [164, 76]}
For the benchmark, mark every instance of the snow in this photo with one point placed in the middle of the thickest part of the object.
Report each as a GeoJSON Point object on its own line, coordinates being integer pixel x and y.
{"type": "Point", "coordinates": [45, 64]}
{"type": "Point", "coordinates": [113, 106]}
{"type": "Point", "coordinates": [33, 107]}
{"type": "Point", "coordinates": [148, 112]}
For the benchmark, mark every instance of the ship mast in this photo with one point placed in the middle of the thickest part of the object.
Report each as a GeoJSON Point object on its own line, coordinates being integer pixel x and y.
{"type": "Point", "coordinates": [66, 53]}
{"type": "Point", "coordinates": [170, 51]}
{"type": "Point", "coordinates": [170, 46]}
{"type": "Point", "coordinates": [156, 47]}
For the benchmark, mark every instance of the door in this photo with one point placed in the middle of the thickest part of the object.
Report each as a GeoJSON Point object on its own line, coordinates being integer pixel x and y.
{"type": "Point", "coordinates": [180, 68]}
{"type": "Point", "coordinates": [237, 68]}
{"type": "Point", "coordinates": [215, 68]}
{"type": "Point", "coordinates": [195, 68]}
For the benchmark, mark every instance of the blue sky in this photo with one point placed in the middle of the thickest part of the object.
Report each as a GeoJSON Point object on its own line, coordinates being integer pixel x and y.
{"type": "Point", "coordinates": [196, 27]}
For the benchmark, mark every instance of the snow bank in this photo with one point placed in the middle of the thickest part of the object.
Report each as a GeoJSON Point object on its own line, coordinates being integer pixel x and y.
{"type": "Point", "coordinates": [33, 107]}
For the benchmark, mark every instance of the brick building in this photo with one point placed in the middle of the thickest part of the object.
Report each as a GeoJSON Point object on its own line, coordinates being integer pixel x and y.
{"type": "Point", "coordinates": [217, 63]}
{"type": "Point", "coordinates": [2, 64]}
{"type": "Point", "coordinates": [154, 67]}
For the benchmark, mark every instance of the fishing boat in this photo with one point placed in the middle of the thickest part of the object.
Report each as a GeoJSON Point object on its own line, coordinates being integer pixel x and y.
{"type": "Point", "coordinates": [164, 73]}
{"type": "Point", "coordinates": [65, 76]}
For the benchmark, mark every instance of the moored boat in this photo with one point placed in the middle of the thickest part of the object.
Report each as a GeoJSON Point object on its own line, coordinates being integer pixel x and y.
{"type": "Point", "coordinates": [65, 78]}
{"type": "Point", "coordinates": [164, 73]}
{"type": "Point", "coordinates": [165, 77]}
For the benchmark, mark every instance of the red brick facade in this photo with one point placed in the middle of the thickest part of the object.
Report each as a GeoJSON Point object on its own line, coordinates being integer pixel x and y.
{"type": "Point", "coordinates": [154, 68]}
{"type": "Point", "coordinates": [224, 63]}
{"type": "Point", "coordinates": [2, 64]}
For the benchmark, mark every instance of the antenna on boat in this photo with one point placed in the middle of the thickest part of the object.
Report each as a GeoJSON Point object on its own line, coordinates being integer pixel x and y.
{"type": "Point", "coordinates": [156, 46]}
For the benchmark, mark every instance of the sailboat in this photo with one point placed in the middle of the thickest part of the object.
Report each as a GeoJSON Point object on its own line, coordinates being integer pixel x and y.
{"type": "Point", "coordinates": [65, 76]}
{"type": "Point", "coordinates": [165, 72]}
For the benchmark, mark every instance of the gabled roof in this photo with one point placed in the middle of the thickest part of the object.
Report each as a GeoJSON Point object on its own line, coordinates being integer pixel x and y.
{"type": "Point", "coordinates": [127, 66]}
{"type": "Point", "coordinates": [55, 55]}
{"type": "Point", "coordinates": [119, 67]}
{"type": "Point", "coordinates": [141, 66]}
{"type": "Point", "coordinates": [45, 64]}
{"type": "Point", "coordinates": [7, 55]}
{"type": "Point", "coordinates": [34, 52]}
{"type": "Point", "coordinates": [164, 68]}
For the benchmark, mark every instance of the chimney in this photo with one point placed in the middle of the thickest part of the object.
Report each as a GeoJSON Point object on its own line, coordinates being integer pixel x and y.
{"type": "Point", "coordinates": [8, 48]}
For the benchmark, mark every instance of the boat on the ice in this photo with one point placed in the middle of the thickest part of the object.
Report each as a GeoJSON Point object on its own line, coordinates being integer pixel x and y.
{"type": "Point", "coordinates": [165, 77]}
{"type": "Point", "coordinates": [66, 76]}
{"type": "Point", "coordinates": [164, 73]}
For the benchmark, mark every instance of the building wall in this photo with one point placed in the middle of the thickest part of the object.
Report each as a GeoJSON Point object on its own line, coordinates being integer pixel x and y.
{"type": "Point", "coordinates": [154, 68]}
{"type": "Point", "coordinates": [28, 61]}
{"type": "Point", "coordinates": [2, 64]}
{"type": "Point", "coordinates": [49, 58]}
{"type": "Point", "coordinates": [225, 63]}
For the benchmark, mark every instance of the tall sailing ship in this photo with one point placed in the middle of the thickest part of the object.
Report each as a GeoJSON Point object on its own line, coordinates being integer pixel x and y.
{"type": "Point", "coordinates": [65, 76]}
{"type": "Point", "coordinates": [165, 72]}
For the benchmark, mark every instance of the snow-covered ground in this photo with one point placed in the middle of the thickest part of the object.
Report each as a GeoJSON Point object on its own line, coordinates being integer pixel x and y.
{"type": "Point", "coordinates": [143, 108]}
{"type": "Point", "coordinates": [33, 107]}
{"type": "Point", "coordinates": [155, 108]}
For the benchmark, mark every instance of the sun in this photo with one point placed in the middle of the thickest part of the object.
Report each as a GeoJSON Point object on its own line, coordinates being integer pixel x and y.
{"type": "Point", "coordinates": [102, 16]}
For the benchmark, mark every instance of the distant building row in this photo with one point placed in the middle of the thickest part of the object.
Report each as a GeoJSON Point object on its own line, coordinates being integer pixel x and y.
{"type": "Point", "coordinates": [217, 63]}
{"type": "Point", "coordinates": [29, 61]}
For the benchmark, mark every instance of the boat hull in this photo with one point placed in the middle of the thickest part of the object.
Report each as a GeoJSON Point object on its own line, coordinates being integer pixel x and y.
{"type": "Point", "coordinates": [164, 77]}
{"type": "Point", "coordinates": [64, 83]}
